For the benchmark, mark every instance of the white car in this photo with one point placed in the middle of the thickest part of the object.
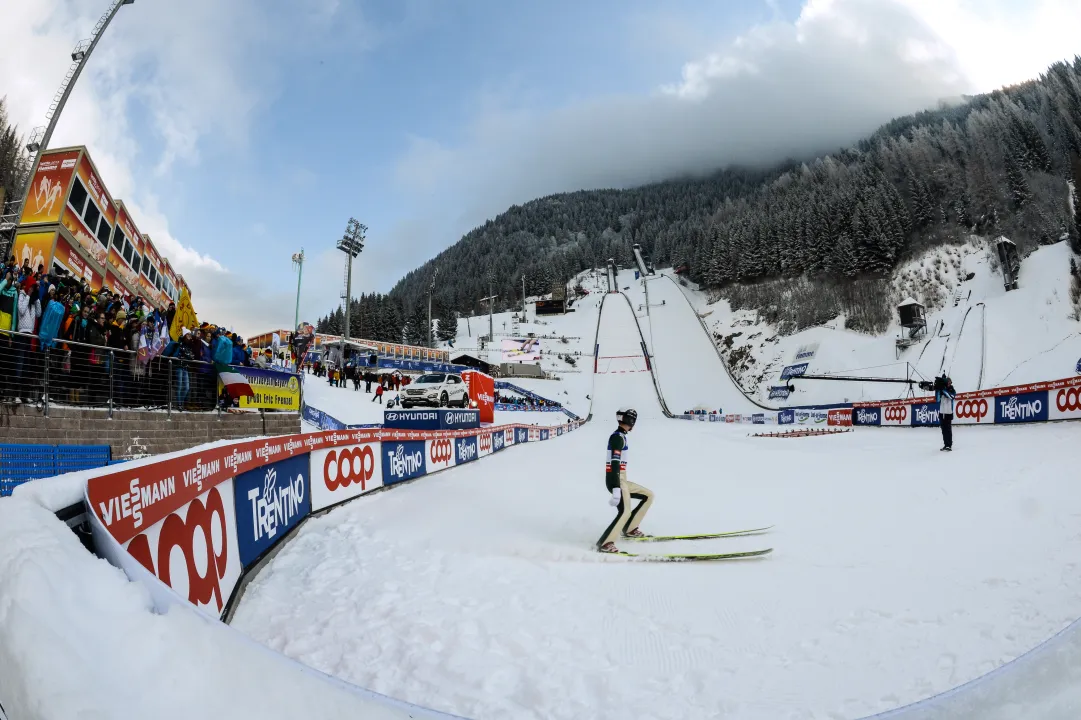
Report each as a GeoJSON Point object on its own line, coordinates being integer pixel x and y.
{"type": "Point", "coordinates": [437, 390]}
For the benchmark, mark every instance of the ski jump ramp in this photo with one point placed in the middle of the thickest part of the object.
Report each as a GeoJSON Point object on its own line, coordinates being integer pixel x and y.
{"type": "Point", "coordinates": [688, 368]}
{"type": "Point", "coordinates": [622, 375]}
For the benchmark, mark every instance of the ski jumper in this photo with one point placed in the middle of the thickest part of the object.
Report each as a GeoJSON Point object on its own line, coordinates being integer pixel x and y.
{"type": "Point", "coordinates": [627, 518]}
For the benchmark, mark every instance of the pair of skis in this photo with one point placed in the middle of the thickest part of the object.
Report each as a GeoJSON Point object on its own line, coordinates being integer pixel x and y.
{"type": "Point", "coordinates": [657, 557]}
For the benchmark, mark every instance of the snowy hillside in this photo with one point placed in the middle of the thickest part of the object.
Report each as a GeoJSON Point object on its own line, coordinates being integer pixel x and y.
{"type": "Point", "coordinates": [976, 331]}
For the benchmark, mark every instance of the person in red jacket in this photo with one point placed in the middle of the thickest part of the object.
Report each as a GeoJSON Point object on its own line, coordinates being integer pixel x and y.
{"type": "Point", "coordinates": [378, 393]}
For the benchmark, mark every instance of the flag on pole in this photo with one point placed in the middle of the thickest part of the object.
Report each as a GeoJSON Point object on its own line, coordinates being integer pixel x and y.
{"type": "Point", "coordinates": [185, 315]}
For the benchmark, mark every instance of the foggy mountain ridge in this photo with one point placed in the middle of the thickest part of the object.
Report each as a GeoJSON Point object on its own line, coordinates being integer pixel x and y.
{"type": "Point", "coordinates": [994, 164]}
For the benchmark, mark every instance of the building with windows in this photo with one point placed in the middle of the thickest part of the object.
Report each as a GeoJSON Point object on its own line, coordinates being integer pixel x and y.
{"type": "Point", "coordinates": [72, 225]}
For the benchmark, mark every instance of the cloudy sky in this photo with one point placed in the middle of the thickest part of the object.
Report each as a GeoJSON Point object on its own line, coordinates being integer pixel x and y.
{"type": "Point", "coordinates": [241, 131]}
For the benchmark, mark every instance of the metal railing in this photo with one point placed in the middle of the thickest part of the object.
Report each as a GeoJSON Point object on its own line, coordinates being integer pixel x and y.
{"type": "Point", "coordinates": [73, 374]}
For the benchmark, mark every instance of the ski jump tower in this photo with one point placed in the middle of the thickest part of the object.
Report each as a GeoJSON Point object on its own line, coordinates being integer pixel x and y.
{"type": "Point", "coordinates": [612, 286]}
{"type": "Point", "coordinates": [644, 268]}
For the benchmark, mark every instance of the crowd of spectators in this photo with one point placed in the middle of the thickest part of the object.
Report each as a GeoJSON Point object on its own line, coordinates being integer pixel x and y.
{"type": "Point", "coordinates": [524, 402]}
{"type": "Point", "coordinates": [102, 346]}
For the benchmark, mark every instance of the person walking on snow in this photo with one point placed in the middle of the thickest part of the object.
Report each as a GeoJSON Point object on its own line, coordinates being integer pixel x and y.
{"type": "Point", "coordinates": [624, 492]}
{"type": "Point", "coordinates": [378, 394]}
{"type": "Point", "coordinates": [944, 396]}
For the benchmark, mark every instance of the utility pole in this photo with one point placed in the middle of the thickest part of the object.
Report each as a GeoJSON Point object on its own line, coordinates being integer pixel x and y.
{"type": "Point", "coordinates": [523, 297]}
{"type": "Point", "coordinates": [298, 261]}
{"type": "Point", "coordinates": [491, 306]}
{"type": "Point", "coordinates": [351, 244]}
{"type": "Point", "coordinates": [431, 289]}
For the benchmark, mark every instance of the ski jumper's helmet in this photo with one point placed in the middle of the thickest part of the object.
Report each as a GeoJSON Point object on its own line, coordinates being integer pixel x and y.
{"type": "Point", "coordinates": [626, 416]}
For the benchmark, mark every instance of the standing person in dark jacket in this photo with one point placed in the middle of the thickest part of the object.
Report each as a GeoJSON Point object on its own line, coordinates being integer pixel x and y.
{"type": "Point", "coordinates": [944, 396]}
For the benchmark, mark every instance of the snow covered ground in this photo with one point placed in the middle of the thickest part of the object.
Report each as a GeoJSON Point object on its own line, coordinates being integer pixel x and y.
{"type": "Point", "coordinates": [476, 591]}
{"type": "Point", "coordinates": [1026, 335]}
{"type": "Point", "coordinates": [898, 571]}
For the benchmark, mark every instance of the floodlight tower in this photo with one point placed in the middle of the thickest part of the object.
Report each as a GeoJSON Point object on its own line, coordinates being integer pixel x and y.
{"type": "Point", "coordinates": [298, 263]}
{"type": "Point", "coordinates": [40, 136]}
{"type": "Point", "coordinates": [431, 289]}
{"type": "Point", "coordinates": [351, 244]}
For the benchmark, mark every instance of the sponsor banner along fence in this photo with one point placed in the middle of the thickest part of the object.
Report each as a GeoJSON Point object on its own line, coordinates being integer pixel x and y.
{"type": "Point", "coordinates": [1034, 402]}
{"type": "Point", "coordinates": [274, 389]}
{"type": "Point", "coordinates": [225, 507]}
{"type": "Point", "coordinates": [432, 419]}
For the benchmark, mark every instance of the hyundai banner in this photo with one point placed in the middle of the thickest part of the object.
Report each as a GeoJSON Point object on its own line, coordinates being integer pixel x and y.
{"type": "Point", "coordinates": [431, 419]}
{"type": "Point", "coordinates": [270, 501]}
{"type": "Point", "coordinates": [1022, 407]}
{"type": "Point", "coordinates": [402, 461]}
{"type": "Point", "coordinates": [344, 472]}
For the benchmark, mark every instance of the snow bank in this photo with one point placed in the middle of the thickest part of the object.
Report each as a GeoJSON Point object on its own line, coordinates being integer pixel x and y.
{"type": "Point", "coordinates": [77, 639]}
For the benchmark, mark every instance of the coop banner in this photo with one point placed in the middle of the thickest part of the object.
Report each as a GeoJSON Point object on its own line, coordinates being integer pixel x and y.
{"type": "Point", "coordinates": [1064, 403]}
{"type": "Point", "coordinates": [270, 501]}
{"type": "Point", "coordinates": [273, 389]}
{"type": "Point", "coordinates": [193, 549]}
{"type": "Point", "coordinates": [484, 444]}
{"type": "Point", "coordinates": [49, 190]}
{"type": "Point", "coordinates": [344, 472]}
{"type": "Point", "coordinates": [520, 350]}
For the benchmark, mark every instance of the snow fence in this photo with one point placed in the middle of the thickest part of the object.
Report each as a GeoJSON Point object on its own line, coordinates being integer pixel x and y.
{"type": "Point", "coordinates": [1036, 402]}
{"type": "Point", "coordinates": [190, 526]}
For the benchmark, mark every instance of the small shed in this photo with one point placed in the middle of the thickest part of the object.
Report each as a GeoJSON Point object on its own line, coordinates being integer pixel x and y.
{"type": "Point", "coordinates": [912, 313]}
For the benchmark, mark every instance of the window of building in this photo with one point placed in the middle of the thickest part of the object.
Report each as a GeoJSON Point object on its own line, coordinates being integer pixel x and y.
{"type": "Point", "coordinates": [78, 197]}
